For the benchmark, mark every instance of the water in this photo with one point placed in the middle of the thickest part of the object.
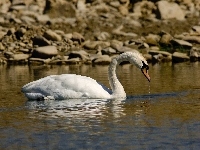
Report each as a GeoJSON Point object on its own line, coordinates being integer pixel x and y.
{"type": "Point", "coordinates": [162, 115]}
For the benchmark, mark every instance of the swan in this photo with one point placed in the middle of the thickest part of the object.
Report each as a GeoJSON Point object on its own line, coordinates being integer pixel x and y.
{"type": "Point", "coordinates": [72, 86]}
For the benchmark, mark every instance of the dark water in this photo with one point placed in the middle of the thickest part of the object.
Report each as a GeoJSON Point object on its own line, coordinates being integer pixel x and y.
{"type": "Point", "coordinates": [167, 118]}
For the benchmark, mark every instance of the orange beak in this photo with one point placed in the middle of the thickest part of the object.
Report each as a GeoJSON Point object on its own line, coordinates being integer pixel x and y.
{"type": "Point", "coordinates": [145, 72]}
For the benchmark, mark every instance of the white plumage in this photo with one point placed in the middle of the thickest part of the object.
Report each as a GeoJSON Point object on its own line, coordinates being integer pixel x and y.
{"type": "Point", "coordinates": [67, 86]}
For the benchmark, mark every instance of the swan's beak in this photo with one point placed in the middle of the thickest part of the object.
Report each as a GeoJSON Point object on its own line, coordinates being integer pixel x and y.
{"type": "Point", "coordinates": [145, 72]}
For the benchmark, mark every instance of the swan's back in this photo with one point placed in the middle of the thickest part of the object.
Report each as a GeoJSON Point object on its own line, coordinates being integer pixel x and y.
{"type": "Point", "coordinates": [65, 86]}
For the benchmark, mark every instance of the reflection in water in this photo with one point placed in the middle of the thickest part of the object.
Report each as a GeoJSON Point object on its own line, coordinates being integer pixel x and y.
{"type": "Point", "coordinates": [166, 118]}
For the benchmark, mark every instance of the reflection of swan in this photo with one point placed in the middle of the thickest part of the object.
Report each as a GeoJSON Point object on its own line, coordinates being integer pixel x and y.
{"type": "Point", "coordinates": [67, 86]}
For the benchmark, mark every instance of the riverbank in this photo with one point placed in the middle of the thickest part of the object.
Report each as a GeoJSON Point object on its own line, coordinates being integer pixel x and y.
{"type": "Point", "coordinates": [92, 32]}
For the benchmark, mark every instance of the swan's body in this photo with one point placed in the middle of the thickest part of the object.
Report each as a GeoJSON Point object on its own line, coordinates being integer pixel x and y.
{"type": "Point", "coordinates": [68, 86]}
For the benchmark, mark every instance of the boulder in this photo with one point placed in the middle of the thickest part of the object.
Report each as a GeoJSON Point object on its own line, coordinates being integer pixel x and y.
{"type": "Point", "coordinates": [115, 44]}
{"type": "Point", "coordinates": [40, 41]}
{"type": "Point", "coordinates": [57, 8]}
{"type": "Point", "coordinates": [165, 39]}
{"type": "Point", "coordinates": [180, 57]}
{"type": "Point", "coordinates": [45, 52]}
{"type": "Point", "coordinates": [83, 55]}
{"type": "Point", "coordinates": [20, 57]}
{"type": "Point", "coordinates": [102, 60]}
{"type": "Point", "coordinates": [51, 35]}
{"type": "Point", "coordinates": [181, 44]}
{"type": "Point", "coordinates": [155, 52]}
{"type": "Point", "coordinates": [77, 37]}
{"type": "Point", "coordinates": [169, 10]}
{"type": "Point", "coordinates": [152, 39]}
{"type": "Point", "coordinates": [195, 54]}
{"type": "Point", "coordinates": [108, 51]}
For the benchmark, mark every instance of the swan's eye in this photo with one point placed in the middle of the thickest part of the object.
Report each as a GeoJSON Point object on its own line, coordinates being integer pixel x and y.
{"type": "Point", "coordinates": [145, 66]}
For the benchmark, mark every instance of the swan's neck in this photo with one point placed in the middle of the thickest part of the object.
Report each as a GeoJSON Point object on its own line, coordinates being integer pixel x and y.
{"type": "Point", "coordinates": [116, 86]}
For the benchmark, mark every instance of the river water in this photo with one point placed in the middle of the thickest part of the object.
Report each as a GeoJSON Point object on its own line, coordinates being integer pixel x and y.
{"type": "Point", "coordinates": [164, 114]}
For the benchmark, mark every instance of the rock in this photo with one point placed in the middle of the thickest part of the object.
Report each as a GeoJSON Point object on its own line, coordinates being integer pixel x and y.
{"type": "Point", "coordinates": [148, 57]}
{"type": "Point", "coordinates": [118, 31]}
{"type": "Point", "coordinates": [11, 31]}
{"type": "Point", "coordinates": [58, 8]}
{"type": "Point", "coordinates": [51, 35]}
{"type": "Point", "coordinates": [73, 61]}
{"type": "Point", "coordinates": [152, 39]}
{"type": "Point", "coordinates": [158, 56]}
{"type": "Point", "coordinates": [2, 48]}
{"type": "Point", "coordinates": [194, 39]}
{"type": "Point", "coordinates": [45, 52]}
{"type": "Point", "coordinates": [116, 44]}
{"type": "Point", "coordinates": [40, 41]}
{"type": "Point", "coordinates": [8, 54]}
{"type": "Point", "coordinates": [156, 52]}
{"type": "Point", "coordinates": [144, 8]}
{"type": "Point", "coordinates": [180, 57]}
{"type": "Point", "coordinates": [103, 36]}
{"type": "Point", "coordinates": [196, 29]}
{"type": "Point", "coordinates": [169, 10]}
{"type": "Point", "coordinates": [102, 60]}
{"type": "Point", "coordinates": [20, 32]}
{"type": "Point", "coordinates": [83, 55]}
{"type": "Point", "coordinates": [127, 49]}
{"type": "Point", "coordinates": [28, 20]}
{"type": "Point", "coordinates": [20, 57]}
{"type": "Point", "coordinates": [42, 18]}
{"type": "Point", "coordinates": [108, 51]}
{"type": "Point", "coordinates": [181, 44]}
{"type": "Point", "coordinates": [39, 61]}
{"type": "Point", "coordinates": [77, 37]}
{"type": "Point", "coordinates": [165, 39]}
{"type": "Point", "coordinates": [81, 7]}
{"type": "Point", "coordinates": [195, 54]}
{"type": "Point", "coordinates": [91, 45]}
{"type": "Point", "coordinates": [123, 10]}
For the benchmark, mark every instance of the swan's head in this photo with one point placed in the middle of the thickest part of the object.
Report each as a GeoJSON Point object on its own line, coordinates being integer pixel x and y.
{"type": "Point", "coordinates": [137, 59]}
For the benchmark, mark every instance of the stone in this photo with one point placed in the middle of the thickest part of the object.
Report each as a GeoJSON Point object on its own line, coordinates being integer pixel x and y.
{"type": "Point", "coordinates": [83, 55]}
{"type": "Point", "coordinates": [180, 57]}
{"type": "Point", "coordinates": [195, 54]}
{"type": "Point", "coordinates": [148, 57]}
{"type": "Point", "coordinates": [181, 44]}
{"type": "Point", "coordinates": [196, 28]}
{"type": "Point", "coordinates": [102, 60]}
{"type": "Point", "coordinates": [40, 41]}
{"type": "Point", "coordinates": [58, 8]}
{"type": "Point", "coordinates": [115, 44]}
{"type": "Point", "coordinates": [27, 19]}
{"type": "Point", "coordinates": [43, 18]}
{"type": "Point", "coordinates": [103, 36]}
{"type": "Point", "coordinates": [45, 52]}
{"type": "Point", "coordinates": [51, 35]}
{"type": "Point", "coordinates": [169, 10]}
{"type": "Point", "coordinates": [108, 51]}
{"type": "Point", "coordinates": [20, 32]}
{"type": "Point", "coordinates": [20, 57]}
{"type": "Point", "coordinates": [77, 37]}
{"type": "Point", "coordinates": [91, 45]}
{"type": "Point", "coordinates": [165, 39]}
{"type": "Point", "coordinates": [156, 52]}
{"type": "Point", "coordinates": [152, 39]}
{"type": "Point", "coordinates": [8, 54]}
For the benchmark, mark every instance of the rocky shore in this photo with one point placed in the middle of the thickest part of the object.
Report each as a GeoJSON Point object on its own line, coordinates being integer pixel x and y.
{"type": "Point", "coordinates": [94, 31]}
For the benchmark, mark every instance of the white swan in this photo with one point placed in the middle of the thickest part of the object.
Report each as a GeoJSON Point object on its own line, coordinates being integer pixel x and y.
{"type": "Point", "coordinates": [67, 86]}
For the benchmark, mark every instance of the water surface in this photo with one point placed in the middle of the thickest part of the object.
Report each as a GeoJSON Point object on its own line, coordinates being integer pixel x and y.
{"type": "Point", "coordinates": [167, 118]}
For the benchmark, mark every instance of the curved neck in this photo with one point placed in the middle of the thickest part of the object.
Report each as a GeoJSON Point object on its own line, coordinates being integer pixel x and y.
{"type": "Point", "coordinates": [117, 88]}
